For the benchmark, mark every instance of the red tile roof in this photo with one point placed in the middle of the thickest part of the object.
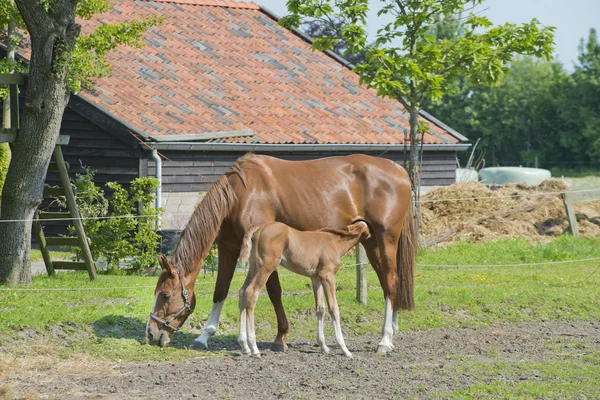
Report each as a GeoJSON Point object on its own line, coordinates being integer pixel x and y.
{"type": "Point", "coordinates": [222, 65]}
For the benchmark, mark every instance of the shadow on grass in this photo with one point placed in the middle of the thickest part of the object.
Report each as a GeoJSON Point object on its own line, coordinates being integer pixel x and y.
{"type": "Point", "coordinates": [121, 327]}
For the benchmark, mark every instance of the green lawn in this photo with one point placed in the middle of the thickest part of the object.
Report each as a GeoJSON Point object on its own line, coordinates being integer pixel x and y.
{"type": "Point", "coordinates": [36, 255]}
{"type": "Point", "coordinates": [106, 318]}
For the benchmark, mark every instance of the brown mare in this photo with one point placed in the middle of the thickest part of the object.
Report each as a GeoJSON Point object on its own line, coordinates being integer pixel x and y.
{"type": "Point", "coordinates": [306, 195]}
{"type": "Point", "coordinates": [315, 254]}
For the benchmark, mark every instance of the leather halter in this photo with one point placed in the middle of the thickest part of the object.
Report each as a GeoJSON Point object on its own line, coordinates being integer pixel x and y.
{"type": "Point", "coordinates": [186, 306]}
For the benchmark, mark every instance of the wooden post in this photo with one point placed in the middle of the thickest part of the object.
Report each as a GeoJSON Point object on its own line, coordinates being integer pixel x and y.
{"type": "Point", "coordinates": [37, 228]}
{"type": "Point", "coordinates": [361, 274]}
{"type": "Point", "coordinates": [74, 210]}
{"type": "Point", "coordinates": [571, 215]}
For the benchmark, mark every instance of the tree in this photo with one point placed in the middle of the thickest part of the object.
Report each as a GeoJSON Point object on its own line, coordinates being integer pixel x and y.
{"type": "Point", "coordinates": [581, 111]}
{"type": "Point", "coordinates": [315, 29]}
{"type": "Point", "coordinates": [61, 60]}
{"type": "Point", "coordinates": [518, 121]}
{"type": "Point", "coordinates": [407, 63]}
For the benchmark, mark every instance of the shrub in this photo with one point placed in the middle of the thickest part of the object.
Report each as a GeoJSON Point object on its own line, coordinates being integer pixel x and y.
{"type": "Point", "coordinates": [122, 228]}
{"type": "Point", "coordinates": [4, 161]}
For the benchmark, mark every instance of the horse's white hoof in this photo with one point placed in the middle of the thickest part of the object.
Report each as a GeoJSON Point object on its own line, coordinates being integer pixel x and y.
{"type": "Point", "coordinates": [200, 345]}
{"type": "Point", "coordinates": [384, 349]}
{"type": "Point", "coordinates": [256, 355]}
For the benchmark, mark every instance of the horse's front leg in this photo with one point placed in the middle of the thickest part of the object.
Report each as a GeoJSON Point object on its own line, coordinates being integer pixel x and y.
{"type": "Point", "coordinates": [274, 290]}
{"type": "Point", "coordinates": [227, 262]}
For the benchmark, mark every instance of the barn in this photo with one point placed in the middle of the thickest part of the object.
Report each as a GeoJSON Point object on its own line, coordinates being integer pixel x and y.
{"type": "Point", "coordinates": [219, 79]}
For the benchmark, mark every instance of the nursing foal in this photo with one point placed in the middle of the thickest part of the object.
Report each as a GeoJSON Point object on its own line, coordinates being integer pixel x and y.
{"type": "Point", "coordinates": [315, 254]}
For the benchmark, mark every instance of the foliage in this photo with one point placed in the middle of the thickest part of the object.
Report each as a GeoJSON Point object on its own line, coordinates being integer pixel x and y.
{"type": "Point", "coordinates": [211, 261]}
{"type": "Point", "coordinates": [4, 162]}
{"type": "Point", "coordinates": [539, 112]}
{"type": "Point", "coordinates": [315, 29]}
{"type": "Point", "coordinates": [88, 59]}
{"type": "Point", "coordinates": [120, 234]}
{"type": "Point", "coordinates": [89, 56]}
{"type": "Point", "coordinates": [409, 62]}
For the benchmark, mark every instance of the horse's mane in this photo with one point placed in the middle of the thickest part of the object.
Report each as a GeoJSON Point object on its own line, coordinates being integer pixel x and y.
{"type": "Point", "coordinates": [205, 223]}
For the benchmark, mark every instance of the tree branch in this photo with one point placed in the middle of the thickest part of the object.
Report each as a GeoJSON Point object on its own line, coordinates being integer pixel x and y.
{"type": "Point", "coordinates": [36, 18]}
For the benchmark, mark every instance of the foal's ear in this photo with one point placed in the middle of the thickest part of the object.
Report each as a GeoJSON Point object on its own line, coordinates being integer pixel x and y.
{"type": "Point", "coordinates": [164, 264]}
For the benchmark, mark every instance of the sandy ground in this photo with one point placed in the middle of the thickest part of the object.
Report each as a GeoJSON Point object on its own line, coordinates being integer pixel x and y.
{"type": "Point", "coordinates": [422, 365]}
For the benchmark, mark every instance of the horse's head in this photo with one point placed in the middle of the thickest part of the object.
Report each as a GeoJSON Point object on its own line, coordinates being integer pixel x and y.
{"type": "Point", "coordinates": [173, 304]}
{"type": "Point", "coordinates": [360, 229]}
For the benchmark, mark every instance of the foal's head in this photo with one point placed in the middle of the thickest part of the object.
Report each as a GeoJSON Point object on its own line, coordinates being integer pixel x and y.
{"type": "Point", "coordinates": [173, 304]}
{"type": "Point", "coordinates": [360, 229]}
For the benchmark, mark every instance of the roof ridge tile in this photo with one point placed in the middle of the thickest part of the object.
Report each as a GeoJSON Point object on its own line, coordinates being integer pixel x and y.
{"type": "Point", "coordinates": [214, 3]}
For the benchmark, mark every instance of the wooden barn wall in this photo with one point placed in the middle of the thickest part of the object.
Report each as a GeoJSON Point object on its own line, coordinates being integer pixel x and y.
{"type": "Point", "coordinates": [195, 171]}
{"type": "Point", "coordinates": [92, 147]}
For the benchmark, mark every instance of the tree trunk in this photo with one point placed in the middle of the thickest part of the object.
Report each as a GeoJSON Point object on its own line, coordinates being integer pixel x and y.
{"type": "Point", "coordinates": [52, 39]}
{"type": "Point", "coordinates": [414, 164]}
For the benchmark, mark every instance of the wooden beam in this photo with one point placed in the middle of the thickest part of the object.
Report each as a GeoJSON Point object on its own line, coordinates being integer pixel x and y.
{"type": "Point", "coordinates": [74, 211]}
{"type": "Point", "coordinates": [6, 136]}
{"type": "Point", "coordinates": [70, 265]}
{"type": "Point", "coordinates": [12, 79]}
{"type": "Point", "coordinates": [10, 135]}
{"type": "Point", "coordinates": [581, 196]}
{"type": "Point", "coordinates": [195, 137]}
{"type": "Point", "coordinates": [37, 228]}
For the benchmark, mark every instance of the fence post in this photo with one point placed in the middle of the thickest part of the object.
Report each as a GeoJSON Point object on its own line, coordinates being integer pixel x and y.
{"type": "Point", "coordinates": [361, 274]}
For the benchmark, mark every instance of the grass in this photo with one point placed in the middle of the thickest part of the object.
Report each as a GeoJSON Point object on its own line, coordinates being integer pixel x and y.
{"type": "Point", "coordinates": [106, 318]}
{"type": "Point", "coordinates": [36, 255]}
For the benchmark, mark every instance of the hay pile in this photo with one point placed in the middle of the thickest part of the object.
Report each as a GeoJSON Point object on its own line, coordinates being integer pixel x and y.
{"type": "Point", "coordinates": [493, 214]}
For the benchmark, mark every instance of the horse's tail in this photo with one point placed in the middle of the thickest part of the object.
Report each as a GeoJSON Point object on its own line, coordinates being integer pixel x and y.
{"type": "Point", "coordinates": [405, 262]}
{"type": "Point", "coordinates": [247, 243]}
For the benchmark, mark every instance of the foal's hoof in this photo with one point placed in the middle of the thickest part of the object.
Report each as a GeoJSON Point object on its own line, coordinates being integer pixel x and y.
{"type": "Point", "coordinates": [279, 347]}
{"type": "Point", "coordinates": [384, 349]}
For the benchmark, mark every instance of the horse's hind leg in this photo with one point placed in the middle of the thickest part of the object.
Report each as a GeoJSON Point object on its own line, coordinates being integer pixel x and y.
{"type": "Point", "coordinates": [320, 309]}
{"type": "Point", "coordinates": [382, 254]}
{"type": "Point", "coordinates": [328, 281]}
{"type": "Point", "coordinates": [227, 262]}
{"type": "Point", "coordinates": [274, 291]}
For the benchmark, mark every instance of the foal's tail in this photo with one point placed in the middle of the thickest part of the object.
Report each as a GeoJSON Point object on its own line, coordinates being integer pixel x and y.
{"type": "Point", "coordinates": [405, 262]}
{"type": "Point", "coordinates": [247, 243]}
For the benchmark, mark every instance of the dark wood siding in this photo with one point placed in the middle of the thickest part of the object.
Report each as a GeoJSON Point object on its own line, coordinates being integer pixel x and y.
{"type": "Point", "coordinates": [92, 147]}
{"type": "Point", "coordinates": [194, 171]}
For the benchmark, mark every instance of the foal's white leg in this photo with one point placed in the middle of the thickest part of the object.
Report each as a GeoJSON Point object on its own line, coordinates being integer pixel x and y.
{"type": "Point", "coordinates": [334, 311]}
{"type": "Point", "coordinates": [387, 332]}
{"type": "Point", "coordinates": [395, 322]}
{"type": "Point", "coordinates": [243, 335]}
{"type": "Point", "coordinates": [320, 309]}
{"type": "Point", "coordinates": [252, 329]}
{"type": "Point", "coordinates": [210, 328]}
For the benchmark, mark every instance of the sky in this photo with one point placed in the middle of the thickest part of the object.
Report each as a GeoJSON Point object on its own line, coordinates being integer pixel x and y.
{"type": "Point", "coordinates": [572, 19]}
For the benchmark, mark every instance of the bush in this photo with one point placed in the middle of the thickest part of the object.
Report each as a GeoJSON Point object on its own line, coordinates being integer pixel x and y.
{"type": "Point", "coordinates": [4, 161]}
{"type": "Point", "coordinates": [122, 228]}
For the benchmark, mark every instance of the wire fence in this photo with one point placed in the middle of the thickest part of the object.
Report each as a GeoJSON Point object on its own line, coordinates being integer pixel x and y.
{"type": "Point", "coordinates": [467, 266]}
{"type": "Point", "coordinates": [67, 219]}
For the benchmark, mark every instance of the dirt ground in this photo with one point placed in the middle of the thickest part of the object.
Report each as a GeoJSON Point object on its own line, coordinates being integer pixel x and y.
{"type": "Point", "coordinates": [422, 365]}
